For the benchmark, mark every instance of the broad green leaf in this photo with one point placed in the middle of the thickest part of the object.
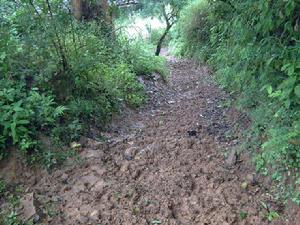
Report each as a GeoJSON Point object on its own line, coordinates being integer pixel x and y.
{"type": "Point", "coordinates": [14, 132]}
{"type": "Point", "coordinates": [23, 121]}
{"type": "Point", "coordinates": [297, 90]}
{"type": "Point", "coordinates": [270, 90]}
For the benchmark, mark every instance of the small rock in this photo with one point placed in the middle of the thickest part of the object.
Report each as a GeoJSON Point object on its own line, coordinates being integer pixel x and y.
{"type": "Point", "coordinates": [83, 141]}
{"type": "Point", "coordinates": [130, 153]}
{"type": "Point", "coordinates": [192, 133]}
{"type": "Point", "coordinates": [232, 158]}
{"type": "Point", "coordinates": [141, 80]}
{"type": "Point", "coordinates": [244, 185]}
{"type": "Point", "coordinates": [156, 76]}
{"type": "Point", "coordinates": [124, 167]}
{"type": "Point", "coordinates": [91, 154]}
{"type": "Point", "coordinates": [78, 187]}
{"type": "Point", "coordinates": [83, 219]}
{"type": "Point", "coordinates": [102, 146]}
{"type": "Point", "coordinates": [58, 199]}
{"type": "Point", "coordinates": [93, 144]}
{"type": "Point", "coordinates": [75, 145]}
{"type": "Point", "coordinates": [251, 179]}
{"type": "Point", "coordinates": [191, 142]}
{"type": "Point", "coordinates": [137, 157]}
{"type": "Point", "coordinates": [136, 210]}
{"type": "Point", "coordinates": [36, 219]}
{"type": "Point", "coordinates": [99, 186]}
{"type": "Point", "coordinates": [129, 158]}
{"type": "Point", "coordinates": [67, 188]}
{"type": "Point", "coordinates": [27, 206]}
{"type": "Point", "coordinates": [64, 178]}
{"type": "Point", "coordinates": [98, 170]}
{"type": "Point", "coordinates": [209, 157]}
{"type": "Point", "coordinates": [136, 174]}
{"type": "Point", "coordinates": [94, 215]}
{"type": "Point", "coordinates": [89, 180]}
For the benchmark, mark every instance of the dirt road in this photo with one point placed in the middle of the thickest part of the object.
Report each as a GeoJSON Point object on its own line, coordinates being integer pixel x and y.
{"type": "Point", "coordinates": [166, 163]}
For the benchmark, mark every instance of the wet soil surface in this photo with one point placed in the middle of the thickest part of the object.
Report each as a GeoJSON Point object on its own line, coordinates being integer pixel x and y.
{"type": "Point", "coordinates": [171, 162]}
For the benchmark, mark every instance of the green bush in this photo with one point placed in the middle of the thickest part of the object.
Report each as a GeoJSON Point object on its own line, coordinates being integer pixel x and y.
{"type": "Point", "coordinates": [155, 35]}
{"type": "Point", "coordinates": [254, 49]}
{"type": "Point", "coordinates": [141, 56]}
{"type": "Point", "coordinates": [60, 77]}
{"type": "Point", "coordinates": [193, 30]}
{"type": "Point", "coordinates": [23, 114]}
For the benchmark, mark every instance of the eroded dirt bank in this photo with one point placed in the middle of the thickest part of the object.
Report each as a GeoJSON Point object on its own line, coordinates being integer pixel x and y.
{"type": "Point", "coordinates": [163, 164]}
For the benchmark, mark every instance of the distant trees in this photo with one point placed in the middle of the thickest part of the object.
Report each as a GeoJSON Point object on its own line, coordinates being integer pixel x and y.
{"type": "Point", "coordinates": [168, 10]}
{"type": "Point", "coordinates": [170, 17]}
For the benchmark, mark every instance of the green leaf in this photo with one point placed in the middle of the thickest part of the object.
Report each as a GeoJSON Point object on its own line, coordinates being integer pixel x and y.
{"type": "Point", "coordinates": [270, 89]}
{"type": "Point", "coordinates": [59, 111]}
{"type": "Point", "coordinates": [23, 129]}
{"type": "Point", "coordinates": [264, 205]}
{"type": "Point", "coordinates": [2, 56]}
{"type": "Point", "coordinates": [243, 215]}
{"type": "Point", "coordinates": [14, 132]}
{"type": "Point", "coordinates": [289, 68]}
{"type": "Point", "coordinates": [272, 215]}
{"type": "Point", "coordinates": [297, 90]}
{"type": "Point", "coordinates": [23, 122]}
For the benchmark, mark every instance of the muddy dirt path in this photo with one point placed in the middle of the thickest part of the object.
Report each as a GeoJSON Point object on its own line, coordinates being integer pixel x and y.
{"type": "Point", "coordinates": [163, 164]}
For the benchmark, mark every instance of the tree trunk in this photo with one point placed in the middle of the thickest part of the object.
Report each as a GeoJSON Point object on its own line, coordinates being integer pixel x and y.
{"type": "Point", "coordinates": [77, 9]}
{"type": "Point", "coordinates": [105, 11]}
{"type": "Point", "coordinates": [88, 10]}
{"type": "Point", "coordinates": [161, 40]}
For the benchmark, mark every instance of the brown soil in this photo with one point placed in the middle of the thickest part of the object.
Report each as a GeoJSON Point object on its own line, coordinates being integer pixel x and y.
{"type": "Point", "coordinates": [162, 164]}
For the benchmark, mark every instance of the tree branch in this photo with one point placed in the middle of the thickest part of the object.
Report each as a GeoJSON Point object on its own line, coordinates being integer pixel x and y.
{"type": "Point", "coordinates": [59, 44]}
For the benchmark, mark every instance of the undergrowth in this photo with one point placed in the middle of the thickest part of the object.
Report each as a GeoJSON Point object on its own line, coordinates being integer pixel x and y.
{"type": "Point", "coordinates": [62, 78]}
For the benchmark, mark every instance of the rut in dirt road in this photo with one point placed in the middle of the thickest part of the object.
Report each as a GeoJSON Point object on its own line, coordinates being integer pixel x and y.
{"type": "Point", "coordinates": [162, 165]}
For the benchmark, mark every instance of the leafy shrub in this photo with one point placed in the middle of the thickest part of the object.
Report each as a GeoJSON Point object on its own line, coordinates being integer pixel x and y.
{"type": "Point", "coordinates": [193, 30]}
{"type": "Point", "coordinates": [254, 49]}
{"type": "Point", "coordinates": [143, 60]}
{"type": "Point", "coordinates": [23, 114]}
{"type": "Point", "coordinates": [155, 35]}
{"type": "Point", "coordinates": [60, 77]}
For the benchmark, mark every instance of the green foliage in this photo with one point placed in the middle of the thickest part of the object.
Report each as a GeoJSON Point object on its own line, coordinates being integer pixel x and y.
{"type": "Point", "coordinates": [2, 187]}
{"type": "Point", "coordinates": [11, 219]}
{"type": "Point", "coordinates": [243, 215]}
{"type": "Point", "coordinates": [270, 214]}
{"type": "Point", "coordinates": [253, 46]}
{"type": "Point", "coordinates": [155, 7]}
{"type": "Point", "coordinates": [60, 77]}
{"type": "Point", "coordinates": [9, 196]}
{"type": "Point", "coordinates": [144, 62]}
{"type": "Point", "coordinates": [193, 31]}
{"type": "Point", "coordinates": [155, 35]}
{"type": "Point", "coordinates": [22, 114]}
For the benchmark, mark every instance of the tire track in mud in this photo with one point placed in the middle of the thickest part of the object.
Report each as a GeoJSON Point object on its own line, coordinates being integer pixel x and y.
{"type": "Point", "coordinates": [162, 164]}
